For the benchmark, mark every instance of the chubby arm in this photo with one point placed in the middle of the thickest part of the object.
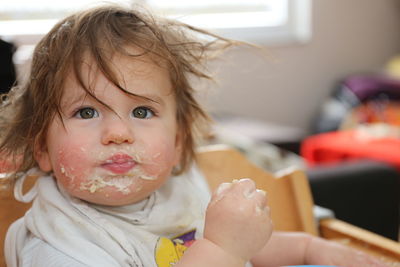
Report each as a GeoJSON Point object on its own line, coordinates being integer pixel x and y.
{"type": "Point", "coordinates": [205, 253]}
{"type": "Point", "coordinates": [295, 248]}
{"type": "Point", "coordinates": [237, 226]}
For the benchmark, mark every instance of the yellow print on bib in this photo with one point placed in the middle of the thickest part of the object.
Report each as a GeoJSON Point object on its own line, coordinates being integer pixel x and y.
{"type": "Point", "coordinates": [168, 252]}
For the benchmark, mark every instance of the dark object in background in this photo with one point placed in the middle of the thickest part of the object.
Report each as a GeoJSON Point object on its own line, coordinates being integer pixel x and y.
{"type": "Point", "coordinates": [364, 193]}
{"type": "Point", "coordinates": [7, 68]}
{"type": "Point", "coordinates": [352, 92]}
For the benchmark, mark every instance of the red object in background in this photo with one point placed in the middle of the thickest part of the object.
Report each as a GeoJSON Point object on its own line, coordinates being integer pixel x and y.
{"type": "Point", "coordinates": [339, 146]}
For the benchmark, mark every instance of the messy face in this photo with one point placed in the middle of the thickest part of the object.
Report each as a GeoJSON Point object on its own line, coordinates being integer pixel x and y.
{"type": "Point", "coordinates": [120, 155]}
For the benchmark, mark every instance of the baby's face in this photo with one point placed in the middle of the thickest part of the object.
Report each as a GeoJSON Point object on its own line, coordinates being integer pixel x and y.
{"type": "Point", "coordinates": [118, 156]}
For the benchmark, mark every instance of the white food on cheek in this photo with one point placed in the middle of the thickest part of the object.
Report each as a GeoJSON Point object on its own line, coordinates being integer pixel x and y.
{"type": "Point", "coordinates": [156, 155]}
{"type": "Point", "coordinates": [67, 173]}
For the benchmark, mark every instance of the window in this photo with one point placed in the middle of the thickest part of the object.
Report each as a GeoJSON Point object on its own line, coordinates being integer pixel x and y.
{"type": "Point", "coordinates": [259, 21]}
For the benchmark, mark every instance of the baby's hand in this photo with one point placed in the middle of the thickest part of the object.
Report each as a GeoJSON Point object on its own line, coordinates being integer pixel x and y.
{"type": "Point", "coordinates": [237, 219]}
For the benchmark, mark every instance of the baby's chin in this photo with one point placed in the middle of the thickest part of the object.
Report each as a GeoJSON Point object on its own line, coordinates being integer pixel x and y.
{"type": "Point", "coordinates": [111, 197]}
{"type": "Point", "coordinates": [115, 192]}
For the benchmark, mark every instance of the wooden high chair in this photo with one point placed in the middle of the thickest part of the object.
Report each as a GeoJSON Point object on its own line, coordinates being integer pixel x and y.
{"type": "Point", "coordinates": [289, 197]}
{"type": "Point", "coordinates": [290, 200]}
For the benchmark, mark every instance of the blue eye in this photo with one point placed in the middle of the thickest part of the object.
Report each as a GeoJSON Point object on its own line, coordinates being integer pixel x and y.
{"type": "Point", "coordinates": [86, 113]}
{"type": "Point", "coordinates": [142, 113]}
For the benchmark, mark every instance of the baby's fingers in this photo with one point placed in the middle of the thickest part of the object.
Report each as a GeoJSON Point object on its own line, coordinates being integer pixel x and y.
{"type": "Point", "coordinates": [260, 198]}
{"type": "Point", "coordinates": [243, 188]}
{"type": "Point", "coordinates": [241, 191]}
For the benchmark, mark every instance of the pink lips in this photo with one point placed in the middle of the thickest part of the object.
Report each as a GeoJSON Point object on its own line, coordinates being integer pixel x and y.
{"type": "Point", "coordinates": [119, 163]}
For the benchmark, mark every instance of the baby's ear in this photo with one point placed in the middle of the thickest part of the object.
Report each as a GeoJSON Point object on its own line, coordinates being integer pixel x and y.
{"type": "Point", "coordinates": [42, 157]}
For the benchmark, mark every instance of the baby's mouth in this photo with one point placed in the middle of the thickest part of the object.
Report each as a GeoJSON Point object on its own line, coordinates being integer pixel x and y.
{"type": "Point", "coordinates": [119, 163]}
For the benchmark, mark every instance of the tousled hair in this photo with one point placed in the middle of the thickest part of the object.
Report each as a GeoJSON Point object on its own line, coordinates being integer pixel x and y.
{"type": "Point", "coordinates": [100, 33]}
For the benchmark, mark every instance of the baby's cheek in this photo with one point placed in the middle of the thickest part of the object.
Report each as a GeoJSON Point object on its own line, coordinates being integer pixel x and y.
{"type": "Point", "coordinates": [161, 159]}
{"type": "Point", "coordinates": [71, 168]}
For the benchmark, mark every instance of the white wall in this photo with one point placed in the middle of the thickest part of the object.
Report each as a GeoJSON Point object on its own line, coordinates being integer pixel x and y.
{"type": "Point", "coordinates": [288, 86]}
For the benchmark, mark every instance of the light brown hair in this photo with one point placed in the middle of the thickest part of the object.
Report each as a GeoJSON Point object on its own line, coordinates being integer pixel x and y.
{"type": "Point", "coordinates": [100, 33]}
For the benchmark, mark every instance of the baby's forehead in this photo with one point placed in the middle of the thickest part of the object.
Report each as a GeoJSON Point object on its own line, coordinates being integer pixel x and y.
{"type": "Point", "coordinates": [136, 74]}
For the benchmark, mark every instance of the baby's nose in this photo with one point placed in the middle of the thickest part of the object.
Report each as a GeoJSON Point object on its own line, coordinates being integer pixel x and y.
{"type": "Point", "coordinates": [117, 131]}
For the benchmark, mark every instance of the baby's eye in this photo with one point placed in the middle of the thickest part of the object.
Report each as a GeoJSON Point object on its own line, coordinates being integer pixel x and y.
{"type": "Point", "coordinates": [142, 113]}
{"type": "Point", "coordinates": [86, 113]}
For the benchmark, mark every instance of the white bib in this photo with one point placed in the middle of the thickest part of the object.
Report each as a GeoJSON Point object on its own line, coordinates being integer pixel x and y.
{"type": "Point", "coordinates": [141, 234]}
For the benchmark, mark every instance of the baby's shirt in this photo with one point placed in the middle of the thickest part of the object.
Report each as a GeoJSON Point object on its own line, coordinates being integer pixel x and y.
{"type": "Point", "coordinates": [63, 231]}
